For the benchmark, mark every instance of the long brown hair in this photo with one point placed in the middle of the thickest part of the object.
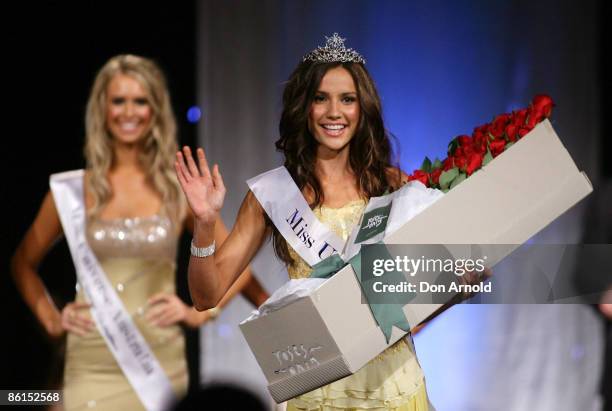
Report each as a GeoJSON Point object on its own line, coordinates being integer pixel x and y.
{"type": "Point", "coordinates": [370, 149]}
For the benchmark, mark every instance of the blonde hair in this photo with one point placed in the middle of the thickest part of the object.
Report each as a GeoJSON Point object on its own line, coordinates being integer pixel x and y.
{"type": "Point", "coordinates": [158, 147]}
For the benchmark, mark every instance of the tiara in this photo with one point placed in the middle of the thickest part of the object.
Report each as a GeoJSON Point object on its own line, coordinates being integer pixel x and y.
{"type": "Point", "coordinates": [334, 51]}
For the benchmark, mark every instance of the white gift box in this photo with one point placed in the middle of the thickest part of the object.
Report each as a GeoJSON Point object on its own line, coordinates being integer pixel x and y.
{"type": "Point", "coordinates": [330, 333]}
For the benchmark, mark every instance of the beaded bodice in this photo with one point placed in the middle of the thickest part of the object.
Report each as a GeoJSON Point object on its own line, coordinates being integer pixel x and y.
{"type": "Point", "coordinates": [140, 237]}
{"type": "Point", "coordinates": [138, 256]}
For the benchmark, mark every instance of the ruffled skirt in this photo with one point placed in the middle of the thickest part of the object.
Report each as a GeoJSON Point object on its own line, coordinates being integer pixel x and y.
{"type": "Point", "coordinates": [393, 381]}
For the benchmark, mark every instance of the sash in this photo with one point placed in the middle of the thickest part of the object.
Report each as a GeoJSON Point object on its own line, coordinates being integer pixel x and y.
{"type": "Point", "coordinates": [283, 202]}
{"type": "Point", "coordinates": [312, 240]}
{"type": "Point", "coordinates": [123, 339]}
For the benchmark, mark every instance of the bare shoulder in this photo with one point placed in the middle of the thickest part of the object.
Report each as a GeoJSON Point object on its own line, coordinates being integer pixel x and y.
{"type": "Point", "coordinates": [251, 216]}
{"type": "Point", "coordinates": [47, 208]}
{"type": "Point", "coordinates": [47, 221]}
{"type": "Point", "coordinates": [396, 177]}
{"type": "Point", "coordinates": [251, 204]}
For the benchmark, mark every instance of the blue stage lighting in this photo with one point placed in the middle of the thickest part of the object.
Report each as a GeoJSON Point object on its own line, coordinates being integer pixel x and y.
{"type": "Point", "coordinates": [193, 114]}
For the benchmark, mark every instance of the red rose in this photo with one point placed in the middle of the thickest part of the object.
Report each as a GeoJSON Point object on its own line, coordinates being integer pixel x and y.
{"type": "Point", "coordinates": [435, 176]}
{"type": "Point", "coordinates": [543, 103]}
{"type": "Point", "coordinates": [499, 125]}
{"type": "Point", "coordinates": [460, 162]}
{"type": "Point", "coordinates": [497, 147]}
{"type": "Point", "coordinates": [535, 116]}
{"type": "Point", "coordinates": [448, 163]}
{"type": "Point", "coordinates": [502, 119]}
{"type": "Point", "coordinates": [479, 142]}
{"type": "Point", "coordinates": [497, 132]}
{"type": "Point", "coordinates": [474, 163]}
{"type": "Point", "coordinates": [484, 129]}
{"type": "Point", "coordinates": [519, 117]}
{"type": "Point", "coordinates": [468, 150]}
{"type": "Point", "coordinates": [511, 130]}
{"type": "Point", "coordinates": [480, 148]}
{"type": "Point", "coordinates": [464, 140]}
{"type": "Point", "coordinates": [522, 131]}
{"type": "Point", "coordinates": [419, 175]}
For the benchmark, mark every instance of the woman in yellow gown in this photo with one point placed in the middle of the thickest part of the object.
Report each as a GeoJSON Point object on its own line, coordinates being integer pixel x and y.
{"type": "Point", "coordinates": [339, 155]}
{"type": "Point", "coordinates": [135, 214]}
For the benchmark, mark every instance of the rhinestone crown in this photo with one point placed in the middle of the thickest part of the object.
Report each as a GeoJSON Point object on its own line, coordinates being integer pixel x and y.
{"type": "Point", "coordinates": [334, 51]}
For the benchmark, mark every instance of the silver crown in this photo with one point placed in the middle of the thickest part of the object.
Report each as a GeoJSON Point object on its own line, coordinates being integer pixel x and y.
{"type": "Point", "coordinates": [334, 51]}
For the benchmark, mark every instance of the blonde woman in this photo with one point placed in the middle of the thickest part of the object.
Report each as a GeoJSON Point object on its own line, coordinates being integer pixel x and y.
{"type": "Point", "coordinates": [134, 213]}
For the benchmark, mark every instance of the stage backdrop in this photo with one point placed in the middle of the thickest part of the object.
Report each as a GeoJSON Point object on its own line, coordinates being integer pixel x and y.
{"type": "Point", "coordinates": [441, 68]}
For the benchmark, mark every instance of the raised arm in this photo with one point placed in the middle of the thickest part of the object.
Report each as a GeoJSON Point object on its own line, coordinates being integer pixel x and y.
{"type": "Point", "coordinates": [247, 283]}
{"type": "Point", "coordinates": [211, 277]}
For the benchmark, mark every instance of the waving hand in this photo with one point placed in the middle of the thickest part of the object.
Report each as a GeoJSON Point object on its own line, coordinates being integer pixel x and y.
{"type": "Point", "coordinates": [204, 190]}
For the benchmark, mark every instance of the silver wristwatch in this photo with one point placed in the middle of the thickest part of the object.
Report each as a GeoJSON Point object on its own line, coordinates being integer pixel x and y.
{"type": "Point", "coordinates": [202, 252]}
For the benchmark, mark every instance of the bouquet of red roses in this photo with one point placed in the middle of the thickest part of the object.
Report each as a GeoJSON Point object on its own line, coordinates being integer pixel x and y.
{"type": "Point", "coordinates": [467, 154]}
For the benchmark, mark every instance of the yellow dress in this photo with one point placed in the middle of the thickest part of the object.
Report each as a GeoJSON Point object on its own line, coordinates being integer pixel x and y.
{"type": "Point", "coordinates": [391, 381]}
{"type": "Point", "coordinates": [138, 256]}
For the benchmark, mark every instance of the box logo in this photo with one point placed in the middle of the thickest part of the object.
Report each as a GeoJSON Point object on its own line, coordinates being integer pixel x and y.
{"type": "Point", "coordinates": [373, 223]}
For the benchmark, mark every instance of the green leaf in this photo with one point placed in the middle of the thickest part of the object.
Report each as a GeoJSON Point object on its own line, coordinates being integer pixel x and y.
{"type": "Point", "coordinates": [458, 180]}
{"type": "Point", "coordinates": [436, 164]}
{"type": "Point", "coordinates": [487, 158]}
{"type": "Point", "coordinates": [508, 146]}
{"type": "Point", "coordinates": [426, 166]}
{"type": "Point", "coordinates": [447, 177]}
{"type": "Point", "coordinates": [452, 146]}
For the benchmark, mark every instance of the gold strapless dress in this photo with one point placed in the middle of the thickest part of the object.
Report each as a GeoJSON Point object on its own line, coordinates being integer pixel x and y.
{"type": "Point", "coordinates": [138, 256]}
{"type": "Point", "coordinates": [391, 381]}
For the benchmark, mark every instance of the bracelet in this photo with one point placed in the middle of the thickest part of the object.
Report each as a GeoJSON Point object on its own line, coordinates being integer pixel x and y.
{"type": "Point", "coordinates": [202, 252]}
{"type": "Point", "coordinates": [213, 312]}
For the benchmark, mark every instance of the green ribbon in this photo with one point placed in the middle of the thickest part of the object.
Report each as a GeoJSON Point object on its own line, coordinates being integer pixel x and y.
{"type": "Point", "coordinates": [327, 267]}
{"type": "Point", "coordinates": [386, 315]}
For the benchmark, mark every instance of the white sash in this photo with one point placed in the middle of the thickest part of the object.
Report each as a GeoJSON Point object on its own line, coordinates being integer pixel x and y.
{"type": "Point", "coordinates": [283, 202]}
{"type": "Point", "coordinates": [312, 240]}
{"type": "Point", "coordinates": [123, 339]}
